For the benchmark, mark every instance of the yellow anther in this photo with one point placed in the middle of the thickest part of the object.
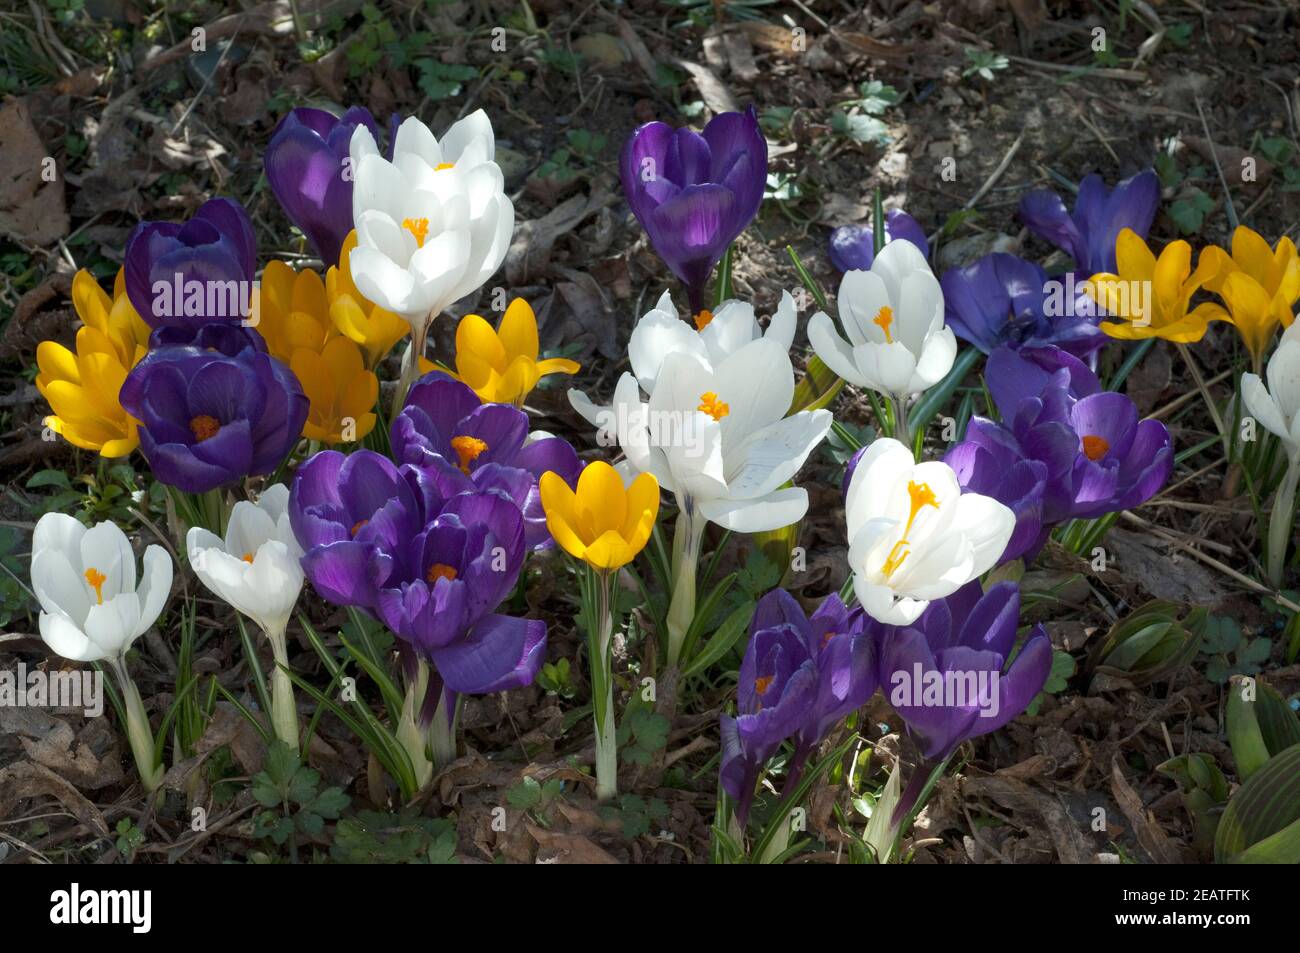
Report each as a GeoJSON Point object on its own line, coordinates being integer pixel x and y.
{"type": "Point", "coordinates": [709, 404]}
{"type": "Point", "coordinates": [468, 449]}
{"type": "Point", "coordinates": [884, 319]}
{"type": "Point", "coordinates": [96, 580]}
{"type": "Point", "coordinates": [419, 227]}
{"type": "Point", "coordinates": [921, 496]}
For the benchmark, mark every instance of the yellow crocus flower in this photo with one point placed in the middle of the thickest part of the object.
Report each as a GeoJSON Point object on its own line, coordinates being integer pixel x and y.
{"type": "Point", "coordinates": [291, 311]}
{"type": "Point", "coordinates": [369, 325]}
{"type": "Point", "coordinates": [82, 388]}
{"type": "Point", "coordinates": [1259, 286]}
{"type": "Point", "coordinates": [294, 317]}
{"type": "Point", "coordinates": [340, 390]}
{"type": "Point", "coordinates": [603, 523]}
{"type": "Point", "coordinates": [502, 366]}
{"type": "Point", "coordinates": [1152, 294]}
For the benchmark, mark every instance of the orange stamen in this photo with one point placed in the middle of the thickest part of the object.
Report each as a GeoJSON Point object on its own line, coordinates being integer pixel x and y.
{"type": "Point", "coordinates": [356, 527]}
{"type": "Point", "coordinates": [921, 496]}
{"type": "Point", "coordinates": [204, 427]}
{"type": "Point", "coordinates": [702, 319]}
{"type": "Point", "coordinates": [96, 580]}
{"type": "Point", "coordinates": [468, 449]}
{"type": "Point", "coordinates": [763, 683]}
{"type": "Point", "coordinates": [1094, 448]}
{"type": "Point", "coordinates": [440, 571]}
{"type": "Point", "coordinates": [247, 557]}
{"type": "Point", "coordinates": [419, 227]}
{"type": "Point", "coordinates": [709, 404]}
{"type": "Point", "coordinates": [884, 319]}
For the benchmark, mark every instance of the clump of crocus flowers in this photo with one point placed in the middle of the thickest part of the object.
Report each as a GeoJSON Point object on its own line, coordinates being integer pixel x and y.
{"type": "Point", "coordinates": [260, 409]}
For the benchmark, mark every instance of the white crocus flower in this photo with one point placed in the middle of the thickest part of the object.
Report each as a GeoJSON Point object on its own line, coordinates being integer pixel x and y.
{"type": "Point", "coordinates": [1277, 409]}
{"type": "Point", "coordinates": [256, 570]}
{"type": "Point", "coordinates": [717, 437]}
{"type": "Point", "coordinates": [914, 536]}
{"type": "Point", "coordinates": [1277, 406]}
{"type": "Point", "coordinates": [432, 224]}
{"type": "Point", "coordinates": [897, 342]}
{"type": "Point", "coordinates": [92, 609]}
{"type": "Point", "coordinates": [711, 336]}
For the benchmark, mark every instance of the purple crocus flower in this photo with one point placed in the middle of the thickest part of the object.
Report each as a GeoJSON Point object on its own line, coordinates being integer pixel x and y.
{"type": "Point", "coordinates": [433, 568]}
{"type": "Point", "coordinates": [1003, 299]}
{"type": "Point", "coordinates": [950, 675]}
{"type": "Point", "coordinates": [1095, 456]}
{"type": "Point", "coordinates": [229, 339]}
{"type": "Point", "coordinates": [469, 445]}
{"type": "Point", "coordinates": [208, 419]}
{"type": "Point", "coordinates": [798, 678]}
{"type": "Point", "coordinates": [853, 248]}
{"type": "Point", "coordinates": [304, 164]}
{"type": "Point", "coordinates": [187, 275]}
{"type": "Point", "coordinates": [990, 462]}
{"type": "Point", "coordinates": [695, 193]}
{"type": "Point", "coordinates": [1088, 233]}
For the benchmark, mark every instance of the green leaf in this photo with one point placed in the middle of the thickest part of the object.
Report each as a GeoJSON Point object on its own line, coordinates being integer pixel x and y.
{"type": "Point", "coordinates": [49, 478]}
{"type": "Point", "coordinates": [1189, 211]}
{"type": "Point", "coordinates": [1261, 823]}
{"type": "Point", "coordinates": [723, 639]}
{"type": "Point", "coordinates": [525, 795]}
{"type": "Point", "coordinates": [330, 803]}
{"type": "Point", "coordinates": [860, 127]}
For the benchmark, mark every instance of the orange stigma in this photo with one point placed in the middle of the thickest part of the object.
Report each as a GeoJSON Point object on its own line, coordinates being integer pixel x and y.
{"type": "Point", "coordinates": [884, 319]}
{"type": "Point", "coordinates": [356, 527]}
{"type": "Point", "coordinates": [96, 580]}
{"type": "Point", "coordinates": [419, 227]}
{"type": "Point", "coordinates": [1094, 448]}
{"type": "Point", "coordinates": [702, 319]}
{"type": "Point", "coordinates": [763, 683]}
{"type": "Point", "coordinates": [247, 557]}
{"type": "Point", "coordinates": [204, 427]}
{"type": "Point", "coordinates": [468, 449]}
{"type": "Point", "coordinates": [921, 496]}
{"type": "Point", "coordinates": [440, 571]}
{"type": "Point", "coordinates": [709, 404]}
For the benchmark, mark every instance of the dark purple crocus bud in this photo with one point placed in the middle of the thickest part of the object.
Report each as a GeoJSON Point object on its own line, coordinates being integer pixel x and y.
{"type": "Point", "coordinates": [469, 445]}
{"type": "Point", "coordinates": [1003, 299]}
{"type": "Point", "coordinates": [1088, 234]}
{"type": "Point", "coordinates": [798, 678]}
{"type": "Point", "coordinates": [305, 167]}
{"type": "Point", "coordinates": [950, 674]}
{"type": "Point", "coordinates": [853, 247]}
{"type": "Point", "coordinates": [432, 568]}
{"type": "Point", "coordinates": [695, 193]}
{"type": "Point", "coordinates": [209, 420]}
{"type": "Point", "coordinates": [199, 272]}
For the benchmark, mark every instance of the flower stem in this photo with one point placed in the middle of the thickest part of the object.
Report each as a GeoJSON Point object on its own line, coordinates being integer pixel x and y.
{"type": "Point", "coordinates": [411, 363]}
{"type": "Point", "coordinates": [681, 611]}
{"type": "Point", "coordinates": [599, 650]}
{"type": "Point", "coordinates": [1279, 524]}
{"type": "Point", "coordinates": [138, 732]}
{"type": "Point", "coordinates": [284, 711]}
{"type": "Point", "coordinates": [901, 433]}
{"type": "Point", "coordinates": [409, 735]}
{"type": "Point", "coordinates": [442, 729]}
